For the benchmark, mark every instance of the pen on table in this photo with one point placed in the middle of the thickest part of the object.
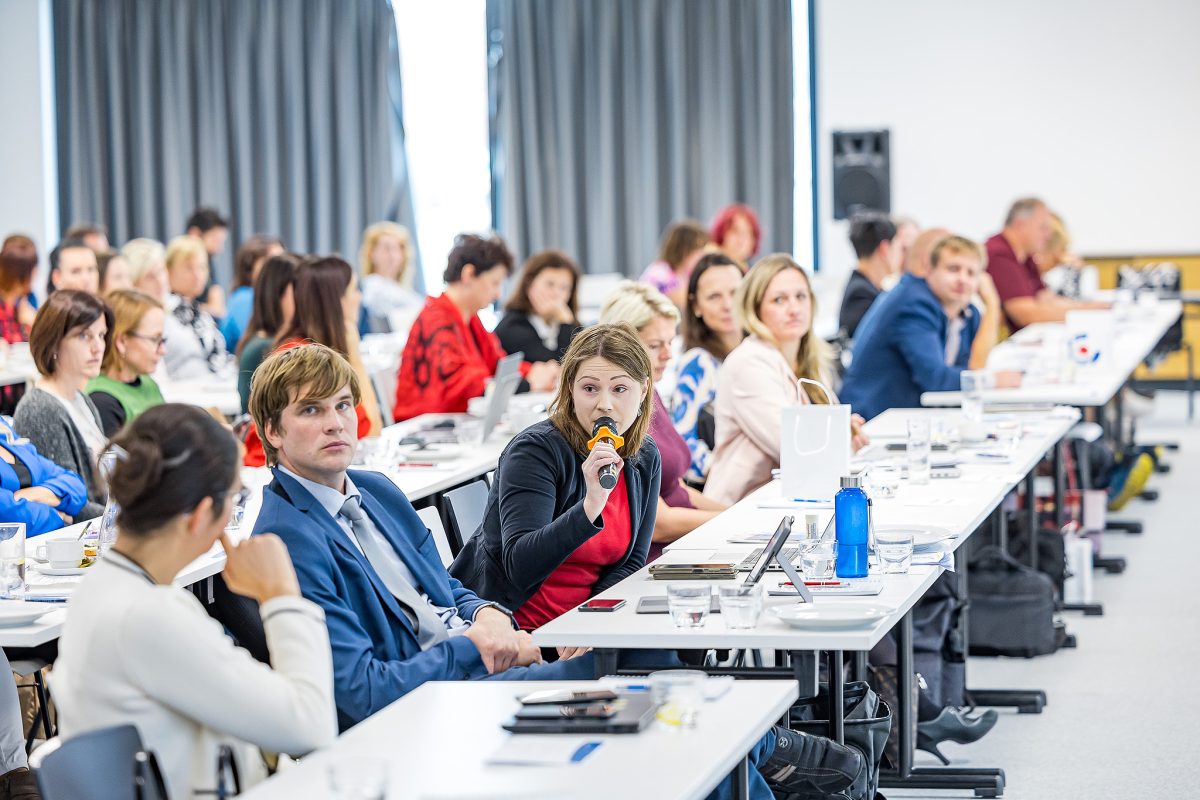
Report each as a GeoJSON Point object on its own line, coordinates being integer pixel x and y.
{"type": "Point", "coordinates": [416, 464]}
{"type": "Point", "coordinates": [817, 583]}
{"type": "Point", "coordinates": [44, 599]}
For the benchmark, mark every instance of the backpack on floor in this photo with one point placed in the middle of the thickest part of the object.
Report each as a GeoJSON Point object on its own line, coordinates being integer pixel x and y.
{"type": "Point", "coordinates": [1011, 608]}
{"type": "Point", "coordinates": [867, 722]}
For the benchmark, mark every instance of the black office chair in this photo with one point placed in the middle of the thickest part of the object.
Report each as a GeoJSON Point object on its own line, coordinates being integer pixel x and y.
{"type": "Point", "coordinates": [107, 764]}
{"type": "Point", "coordinates": [465, 506]}
{"type": "Point", "coordinates": [240, 617]}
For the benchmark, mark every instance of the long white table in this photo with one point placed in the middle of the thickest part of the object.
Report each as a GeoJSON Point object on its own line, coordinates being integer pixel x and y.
{"type": "Point", "coordinates": [1133, 340]}
{"type": "Point", "coordinates": [437, 740]}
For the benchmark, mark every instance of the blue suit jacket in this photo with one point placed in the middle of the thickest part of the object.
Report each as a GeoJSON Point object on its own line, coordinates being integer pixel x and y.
{"type": "Point", "coordinates": [900, 351]}
{"type": "Point", "coordinates": [376, 657]}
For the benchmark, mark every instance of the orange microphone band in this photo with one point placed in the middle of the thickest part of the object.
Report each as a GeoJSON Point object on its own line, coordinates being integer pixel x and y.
{"type": "Point", "coordinates": [606, 433]}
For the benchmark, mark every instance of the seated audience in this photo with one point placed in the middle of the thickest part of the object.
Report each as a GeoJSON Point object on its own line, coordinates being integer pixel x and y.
{"type": "Point", "coordinates": [325, 311]}
{"type": "Point", "coordinates": [124, 388]}
{"type": "Point", "coordinates": [246, 263]}
{"type": "Point", "coordinates": [680, 507]}
{"type": "Point", "coordinates": [114, 272]}
{"type": "Point", "coordinates": [137, 649]}
{"type": "Point", "coordinates": [683, 244]}
{"type": "Point", "coordinates": [33, 489]}
{"type": "Point", "coordinates": [73, 266]}
{"type": "Point", "coordinates": [1011, 261]}
{"type": "Point", "coordinates": [922, 339]}
{"type": "Point", "coordinates": [207, 225]}
{"type": "Point", "coordinates": [18, 262]}
{"type": "Point", "coordinates": [737, 232]}
{"type": "Point", "coordinates": [777, 365]}
{"type": "Point", "coordinates": [542, 315]}
{"type": "Point", "coordinates": [92, 234]}
{"type": "Point", "coordinates": [916, 265]}
{"type": "Point", "coordinates": [710, 332]}
{"type": "Point", "coordinates": [147, 261]}
{"type": "Point", "coordinates": [69, 339]}
{"type": "Point", "coordinates": [450, 356]}
{"type": "Point", "coordinates": [388, 270]}
{"type": "Point", "coordinates": [195, 346]}
{"type": "Point", "coordinates": [274, 307]}
{"type": "Point", "coordinates": [396, 618]}
{"type": "Point", "coordinates": [552, 536]}
{"type": "Point", "coordinates": [879, 258]}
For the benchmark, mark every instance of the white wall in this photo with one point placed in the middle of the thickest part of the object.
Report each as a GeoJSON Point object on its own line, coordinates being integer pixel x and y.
{"type": "Point", "coordinates": [28, 200]}
{"type": "Point", "coordinates": [1094, 106]}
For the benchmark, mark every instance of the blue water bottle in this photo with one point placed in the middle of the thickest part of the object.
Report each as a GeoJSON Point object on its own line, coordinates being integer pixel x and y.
{"type": "Point", "coordinates": [850, 528]}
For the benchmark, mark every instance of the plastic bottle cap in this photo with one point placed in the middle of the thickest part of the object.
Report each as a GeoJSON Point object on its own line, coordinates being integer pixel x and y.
{"type": "Point", "coordinates": [851, 482]}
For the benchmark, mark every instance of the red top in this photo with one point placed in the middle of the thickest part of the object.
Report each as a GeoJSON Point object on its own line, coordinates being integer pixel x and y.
{"type": "Point", "coordinates": [572, 582]}
{"type": "Point", "coordinates": [446, 361]}
{"type": "Point", "coordinates": [255, 457]}
{"type": "Point", "coordinates": [1013, 278]}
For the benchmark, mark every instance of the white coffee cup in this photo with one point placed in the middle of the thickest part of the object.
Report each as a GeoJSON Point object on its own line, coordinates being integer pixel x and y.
{"type": "Point", "coordinates": [61, 553]}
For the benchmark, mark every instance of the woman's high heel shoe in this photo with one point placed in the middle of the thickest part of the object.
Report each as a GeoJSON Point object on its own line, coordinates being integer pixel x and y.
{"type": "Point", "coordinates": [951, 725]}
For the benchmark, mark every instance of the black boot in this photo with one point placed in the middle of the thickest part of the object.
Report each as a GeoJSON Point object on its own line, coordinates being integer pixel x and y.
{"type": "Point", "coordinates": [19, 784]}
{"type": "Point", "coordinates": [805, 766]}
{"type": "Point", "coordinates": [953, 726]}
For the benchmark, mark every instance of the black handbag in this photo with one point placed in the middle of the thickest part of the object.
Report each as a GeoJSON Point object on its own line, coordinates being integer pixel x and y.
{"type": "Point", "coordinates": [1012, 608]}
{"type": "Point", "coordinates": [868, 719]}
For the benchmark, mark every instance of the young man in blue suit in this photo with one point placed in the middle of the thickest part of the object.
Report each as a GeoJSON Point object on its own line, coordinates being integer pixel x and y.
{"type": "Point", "coordinates": [921, 338]}
{"type": "Point", "coordinates": [396, 618]}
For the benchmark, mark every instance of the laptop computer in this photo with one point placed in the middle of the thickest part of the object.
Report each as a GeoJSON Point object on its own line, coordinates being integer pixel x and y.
{"type": "Point", "coordinates": [505, 383]}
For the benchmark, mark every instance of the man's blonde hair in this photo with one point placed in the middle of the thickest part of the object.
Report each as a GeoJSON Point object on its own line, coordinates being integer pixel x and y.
{"type": "Point", "coordinates": [314, 369]}
{"type": "Point", "coordinates": [954, 244]}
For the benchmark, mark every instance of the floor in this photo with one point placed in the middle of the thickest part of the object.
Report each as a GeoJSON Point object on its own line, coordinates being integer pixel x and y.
{"type": "Point", "coordinates": [1123, 713]}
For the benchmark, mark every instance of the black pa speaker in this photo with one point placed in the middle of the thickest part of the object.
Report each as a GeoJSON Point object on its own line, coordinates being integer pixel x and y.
{"type": "Point", "coordinates": [861, 173]}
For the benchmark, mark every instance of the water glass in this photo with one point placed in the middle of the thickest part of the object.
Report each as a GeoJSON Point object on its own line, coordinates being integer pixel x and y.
{"type": "Point", "coordinates": [817, 559]}
{"type": "Point", "coordinates": [884, 482]}
{"type": "Point", "coordinates": [689, 604]}
{"type": "Point", "coordinates": [469, 432]}
{"type": "Point", "coordinates": [358, 778]}
{"type": "Point", "coordinates": [12, 561]}
{"type": "Point", "coordinates": [895, 549]}
{"type": "Point", "coordinates": [678, 693]}
{"type": "Point", "coordinates": [1008, 434]}
{"type": "Point", "coordinates": [740, 604]}
{"type": "Point", "coordinates": [108, 520]}
{"type": "Point", "coordinates": [378, 453]}
{"type": "Point", "coordinates": [917, 451]}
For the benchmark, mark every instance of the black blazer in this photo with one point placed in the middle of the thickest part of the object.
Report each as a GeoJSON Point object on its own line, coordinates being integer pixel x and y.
{"type": "Point", "coordinates": [516, 333]}
{"type": "Point", "coordinates": [534, 518]}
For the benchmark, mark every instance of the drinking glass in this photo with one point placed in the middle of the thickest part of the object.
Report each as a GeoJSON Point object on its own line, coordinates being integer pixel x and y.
{"type": "Point", "coordinates": [1008, 434]}
{"type": "Point", "coordinates": [884, 482]}
{"type": "Point", "coordinates": [12, 561]}
{"type": "Point", "coordinates": [358, 778]}
{"type": "Point", "coordinates": [740, 604]}
{"type": "Point", "coordinates": [973, 382]}
{"type": "Point", "coordinates": [917, 451]}
{"type": "Point", "coordinates": [895, 549]}
{"type": "Point", "coordinates": [679, 693]}
{"type": "Point", "coordinates": [108, 520]}
{"type": "Point", "coordinates": [689, 604]}
{"type": "Point", "coordinates": [469, 432]}
{"type": "Point", "coordinates": [817, 559]}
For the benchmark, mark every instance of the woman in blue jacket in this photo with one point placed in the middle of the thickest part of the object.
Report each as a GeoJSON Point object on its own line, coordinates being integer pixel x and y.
{"type": "Point", "coordinates": [35, 490]}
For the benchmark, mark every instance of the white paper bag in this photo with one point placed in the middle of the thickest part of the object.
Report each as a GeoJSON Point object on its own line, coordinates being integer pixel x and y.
{"type": "Point", "coordinates": [815, 451]}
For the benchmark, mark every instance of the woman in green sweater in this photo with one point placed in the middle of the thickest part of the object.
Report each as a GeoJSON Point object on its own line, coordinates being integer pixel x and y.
{"type": "Point", "coordinates": [124, 388]}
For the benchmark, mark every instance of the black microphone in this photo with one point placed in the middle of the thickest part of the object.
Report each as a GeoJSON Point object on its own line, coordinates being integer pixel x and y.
{"type": "Point", "coordinates": [605, 430]}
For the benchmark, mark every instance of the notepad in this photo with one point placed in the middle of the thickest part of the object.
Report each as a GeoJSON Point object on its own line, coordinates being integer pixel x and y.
{"type": "Point", "coordinates": [543, 751]}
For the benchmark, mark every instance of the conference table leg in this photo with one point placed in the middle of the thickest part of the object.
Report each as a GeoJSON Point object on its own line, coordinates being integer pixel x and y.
{"type": "Point", "coordinates": [1031, 517]}
{"type": "Point", "coordinates": [982, 781]}
{"type": "Point", "coordinates": [741, 780]}
{"type": "Point", "coordinates": [837, 698]}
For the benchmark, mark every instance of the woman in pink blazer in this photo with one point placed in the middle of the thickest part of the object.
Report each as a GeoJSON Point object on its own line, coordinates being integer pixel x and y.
{"type": "Point", "coordinates": [762, 375]}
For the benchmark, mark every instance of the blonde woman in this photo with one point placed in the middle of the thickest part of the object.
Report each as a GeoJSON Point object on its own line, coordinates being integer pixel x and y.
{"type": "Point", "coordinates": [681, 509]}
{"type": "Point", "coordinates": [195, 346]}
{"type": "Point", "coordinates": [124, 388]}
{"type": "Point", "coordinates": [776, 306]}
{"type": "Point", "coordinates": [386, 262]}
{"type": "Point", "coordinates": [147, 260]}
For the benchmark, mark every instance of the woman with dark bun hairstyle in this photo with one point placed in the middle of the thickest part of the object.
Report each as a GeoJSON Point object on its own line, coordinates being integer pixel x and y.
{"type": "Point", "coordinates": [138, 649]}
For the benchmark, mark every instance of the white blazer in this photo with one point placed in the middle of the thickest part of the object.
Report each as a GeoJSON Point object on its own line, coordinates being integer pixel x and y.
{"type": "Point", "coordinates": [136, 652]}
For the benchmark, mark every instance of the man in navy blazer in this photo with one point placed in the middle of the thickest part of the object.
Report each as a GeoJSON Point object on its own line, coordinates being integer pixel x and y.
{"type": "Point", "coordinates": [920, 339]}
{"type": "Point", "coordinates": [304, 404]}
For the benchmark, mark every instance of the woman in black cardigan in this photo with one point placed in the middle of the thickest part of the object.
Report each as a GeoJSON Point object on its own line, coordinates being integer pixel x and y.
{"type": "Point", "coordinates": [552, 536]}
{"type": "Point", "coordinates": [542, 315]}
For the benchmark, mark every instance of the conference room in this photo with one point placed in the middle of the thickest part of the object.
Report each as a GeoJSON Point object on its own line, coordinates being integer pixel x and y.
{"type": "Point", "coordinates": [587, 398]}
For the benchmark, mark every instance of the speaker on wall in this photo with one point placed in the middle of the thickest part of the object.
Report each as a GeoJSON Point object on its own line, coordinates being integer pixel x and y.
{"type": "Point", "coordinates": [861, 173]}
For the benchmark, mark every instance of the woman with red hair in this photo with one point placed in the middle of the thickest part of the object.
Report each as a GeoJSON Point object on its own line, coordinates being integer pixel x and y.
{"type": "Point", "coordinates": [735, 230]}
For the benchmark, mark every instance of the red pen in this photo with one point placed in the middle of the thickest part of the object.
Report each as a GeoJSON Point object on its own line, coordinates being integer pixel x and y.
{"type": "Point", "coordinates": [816, 583]}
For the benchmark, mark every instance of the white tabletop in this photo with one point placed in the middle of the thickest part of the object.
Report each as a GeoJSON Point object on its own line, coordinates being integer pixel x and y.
{"type": "Point", "coordinates": [219, 393]}
{"type": "Point", "coordinates": [1133, 340]}
{"type": "Point", "coordinates": [436, 741]}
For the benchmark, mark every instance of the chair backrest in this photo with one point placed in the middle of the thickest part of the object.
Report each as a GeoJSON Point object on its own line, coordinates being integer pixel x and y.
{"type": "Point", "coordinates": [239, 615]}
{"type": "Point", "coordinates": [466, 506]}
{"type": "Point", "coordinates": [433, 520]}
{"type": "Point", "coordinates": [105, 764]}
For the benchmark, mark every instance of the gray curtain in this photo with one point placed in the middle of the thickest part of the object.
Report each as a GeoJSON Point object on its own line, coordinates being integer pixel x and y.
{"type": "Point", "coordinates": [610, 118]}
{"type": "Point", "coordinates": [283, 114]}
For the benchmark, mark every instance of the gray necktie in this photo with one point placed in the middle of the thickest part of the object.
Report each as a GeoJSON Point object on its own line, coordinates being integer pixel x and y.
{"type": "Point", "coordinates": [429, 626]}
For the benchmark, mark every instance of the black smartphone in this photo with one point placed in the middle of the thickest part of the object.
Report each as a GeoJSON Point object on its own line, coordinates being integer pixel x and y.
{"type": "Point", "coordinates": [596, 604]}
{"type": "Point", "coordinates": [566, 696]}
